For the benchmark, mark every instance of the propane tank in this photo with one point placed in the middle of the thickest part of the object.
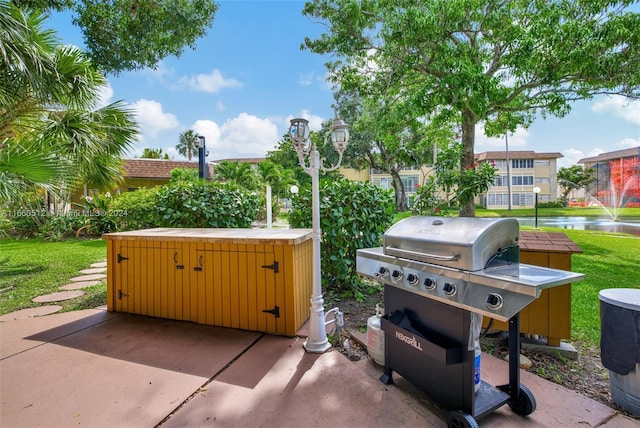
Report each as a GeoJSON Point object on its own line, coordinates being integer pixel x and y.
{"type": "Point", "coordinates": [375, 336]}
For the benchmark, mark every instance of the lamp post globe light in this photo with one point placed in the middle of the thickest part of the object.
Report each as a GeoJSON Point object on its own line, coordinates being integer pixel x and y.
{"type": "Point", "coordinates": [536, 190]}
{"type": "Point", "coordinates": [310, 161]}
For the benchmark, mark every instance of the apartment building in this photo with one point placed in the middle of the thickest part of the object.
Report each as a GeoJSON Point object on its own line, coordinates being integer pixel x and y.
{"type": "Point", "coordinates": [519, 172]}
{"type": "Point", "coordinates": [617, 177]}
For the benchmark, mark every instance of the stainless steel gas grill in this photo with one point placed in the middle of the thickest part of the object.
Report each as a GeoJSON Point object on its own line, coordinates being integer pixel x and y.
{"type": "Point", "coordinates": [437, 271]}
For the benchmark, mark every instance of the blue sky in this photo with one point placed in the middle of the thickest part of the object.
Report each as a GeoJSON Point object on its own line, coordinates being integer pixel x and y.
{"type": "Point", "coordinates": [248, 77]}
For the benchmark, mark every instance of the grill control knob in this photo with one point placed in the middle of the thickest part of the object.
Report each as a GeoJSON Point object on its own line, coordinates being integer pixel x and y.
{"type": "Point", "coordinates": [449, 289]}
{"type": "Point", "coordinates": [383, 272]}
{"type": "Point", "coordinates": [429, 283]}
{"type": "Point", "coordinates": [396, 275]}
{"type": "Point", "coordinates": [494, 301]}
{"type": "Point", "coordinates": [412, 279]}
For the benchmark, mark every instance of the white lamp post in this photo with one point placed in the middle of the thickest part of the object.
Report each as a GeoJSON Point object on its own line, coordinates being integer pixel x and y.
{"type": "Point", "coordinates": [536, 190]}
{"type": "Point", "coordinates": [307, 151]}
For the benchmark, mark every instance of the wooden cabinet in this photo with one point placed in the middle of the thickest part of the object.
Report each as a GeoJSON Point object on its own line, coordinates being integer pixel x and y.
{"type": "Point", "coordinates": [550, 314]}
{"type": "Point", "coordinates": [252, 279]}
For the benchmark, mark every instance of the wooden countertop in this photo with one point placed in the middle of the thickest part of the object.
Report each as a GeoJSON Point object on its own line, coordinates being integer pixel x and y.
{"type": "Point", "coordinates": [229, 236]}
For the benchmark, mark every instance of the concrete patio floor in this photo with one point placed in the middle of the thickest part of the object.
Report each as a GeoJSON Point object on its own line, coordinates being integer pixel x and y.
{"type": "Point", "coordinates": [98, 369]}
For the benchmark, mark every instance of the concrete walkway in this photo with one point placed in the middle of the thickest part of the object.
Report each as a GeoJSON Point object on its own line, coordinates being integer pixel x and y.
{"type": "Point", "coordinates": [99, 369]}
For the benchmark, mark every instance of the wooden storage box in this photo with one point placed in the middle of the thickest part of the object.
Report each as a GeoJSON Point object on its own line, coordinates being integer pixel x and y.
{"type": "Point", "coordinates": [252, 279]}
{"type": "Point", "coordinates": [550, 314]}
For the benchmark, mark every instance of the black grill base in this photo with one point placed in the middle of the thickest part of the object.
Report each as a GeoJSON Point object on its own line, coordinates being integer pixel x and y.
{"type": "Point", "coordinates": [426, 342]}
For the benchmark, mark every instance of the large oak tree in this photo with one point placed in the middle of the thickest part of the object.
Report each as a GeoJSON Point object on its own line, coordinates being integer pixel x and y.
{"type": "Point", "coordinates": [463, 62]}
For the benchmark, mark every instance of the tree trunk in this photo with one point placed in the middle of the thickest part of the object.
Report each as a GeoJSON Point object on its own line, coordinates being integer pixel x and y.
{"type": "Point", "coordinates": [398, 187]}
{"type": "Point", "coordinates": [467, 208]}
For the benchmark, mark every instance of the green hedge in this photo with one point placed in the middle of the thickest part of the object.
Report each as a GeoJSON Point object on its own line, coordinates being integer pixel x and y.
{"type": "Point", "coordinates": [353, 215]}
{"type": "Point", "coordinates": [206, 204]}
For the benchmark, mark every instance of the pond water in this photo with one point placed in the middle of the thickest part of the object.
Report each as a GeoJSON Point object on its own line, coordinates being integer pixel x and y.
{"type": "Point", "coordinates": [631, 226]}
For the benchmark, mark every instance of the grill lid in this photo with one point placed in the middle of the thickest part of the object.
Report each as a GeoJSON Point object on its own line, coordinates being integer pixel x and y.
{"type": "Point", "coordinates": [465, 243]}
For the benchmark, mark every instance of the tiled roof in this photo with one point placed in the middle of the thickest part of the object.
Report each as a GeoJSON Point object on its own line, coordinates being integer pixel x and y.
{"type": "Point", "coordinates": [517, 155]}
{"type": "Point", "coordinates": [157, 168]}
{"type": "Point", "coordinates": [625, 153]}
{"type": "Point", "coordinates": [548, 241]}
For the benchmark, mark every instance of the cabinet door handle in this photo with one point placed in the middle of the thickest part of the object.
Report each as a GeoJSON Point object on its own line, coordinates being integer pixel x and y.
{"type": "Point", "coordinates": [175, 261]}
{"type": "Point", "coordinates": [199, 268]}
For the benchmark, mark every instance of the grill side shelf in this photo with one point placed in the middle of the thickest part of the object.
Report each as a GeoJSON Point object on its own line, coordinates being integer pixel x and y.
{"type": "Point", "coordinates": [413, 341]}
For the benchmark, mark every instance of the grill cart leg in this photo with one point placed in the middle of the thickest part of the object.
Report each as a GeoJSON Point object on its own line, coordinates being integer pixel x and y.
{"type": "Point", "coordinates": [387, 378]}
{"type": "Point", "coordinates": [522, 400]}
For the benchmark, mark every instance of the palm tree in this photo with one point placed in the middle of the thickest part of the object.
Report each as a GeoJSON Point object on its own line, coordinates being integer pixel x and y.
{"type": "Point", "coordinates": [278, 178]}
{"type": "Point", "coordinates": [188, 144]}
{"type": "Point", "coordinates": [240, 173]}
{"type": "Point", "coordinates": [148, 153]}
{"type": "Point", "coordinates": [51, 134]}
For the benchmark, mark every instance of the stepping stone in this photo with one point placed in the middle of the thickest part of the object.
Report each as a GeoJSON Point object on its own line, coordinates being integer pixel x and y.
{"type": "Point", "coordinates": [80, 284]}
{"type": "Point", "coordinates": [91, 277]}
{"type": "Point", "coordinates": [99, 265]}
{"type": "Point", "coordinates": [93, 270]}
{"type": "Point", "coordinates": [23, 314]}
{"type": "Point", "coordinates": [58, 296]}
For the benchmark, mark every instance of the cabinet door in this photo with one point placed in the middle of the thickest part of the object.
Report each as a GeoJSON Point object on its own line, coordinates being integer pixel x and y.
{"type": "Point", "coordinates": [148, 279]}
{"type": "Point", "coordinates": [236, 286]}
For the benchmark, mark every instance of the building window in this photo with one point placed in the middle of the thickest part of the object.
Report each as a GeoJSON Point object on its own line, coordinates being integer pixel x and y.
{"type": "Point", "coordinates": [494, 199]}
{"type": "Point", "coordinates": [522, 199]}
{"type": "Point", "coordinates": [410, 182]}
{"type": "Point", "coordinates": [522, 163]}
{"type": "Point", "coordinates": [384, 182]}
{"type": "Point", "coordinates": [542, 163]}
{"type": "Point", "coordinates": [542, 180]}
{"type": "Point", "coordinates": [522, 180]}
{"type": "Point", "coordinates": [499, 164]}
{"type": "Point", "coordinates": [501, 180]}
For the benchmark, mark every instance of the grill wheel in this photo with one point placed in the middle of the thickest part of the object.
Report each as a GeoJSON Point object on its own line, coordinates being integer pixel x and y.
{"type": "Point", "coordinates": [526, 402]}
{"type": "Point", "coordinates": [458, 419]}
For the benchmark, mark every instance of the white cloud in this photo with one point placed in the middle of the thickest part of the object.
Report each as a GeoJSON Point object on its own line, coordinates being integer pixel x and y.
{"type": "Point", "coordinates": [517, 141]}
{"type": "Point", "coordinates": [210, 83]}
{"type": "Point", "coordinates": [627, 143]}
{"type": "Point", "coordinates": [243, 136]}
{"type": "Point", "coordinates": [220, 106]}
{"type": "Point", "coordinates": [620, 106]}
{"type": "Point", "coordinates": [161, 73]}
{"type": "Point", "coordinates": [306, 79]}
{"type": "Point", "coordinates": [104, 96]}
{"type": "Point", "coordinates": [572, 156]}
{"type": "Point", "coordinates": [152, 119]}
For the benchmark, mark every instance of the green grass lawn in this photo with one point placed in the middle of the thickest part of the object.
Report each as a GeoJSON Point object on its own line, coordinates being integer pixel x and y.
{"type": "Point", "coordinates": [609, 260]}
{"type": "Point", "coordinates": [31, 268]}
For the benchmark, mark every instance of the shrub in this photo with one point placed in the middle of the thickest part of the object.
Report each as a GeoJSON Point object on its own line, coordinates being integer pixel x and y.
{"type": "Point", "coordinates": [553, 204]}
{"type": "Point", "coordinates": [135, 210]}
{"type": "Point", "coordinates": [184, 174]}
{"type": "Point", "coordinates": [61, 225]}
{"type": "Point", "coordinates": [352, 216]}
{"type": "Point", "coordinates": [206, 204]}
{"type": "Point", "coordinates": [97, 215]}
